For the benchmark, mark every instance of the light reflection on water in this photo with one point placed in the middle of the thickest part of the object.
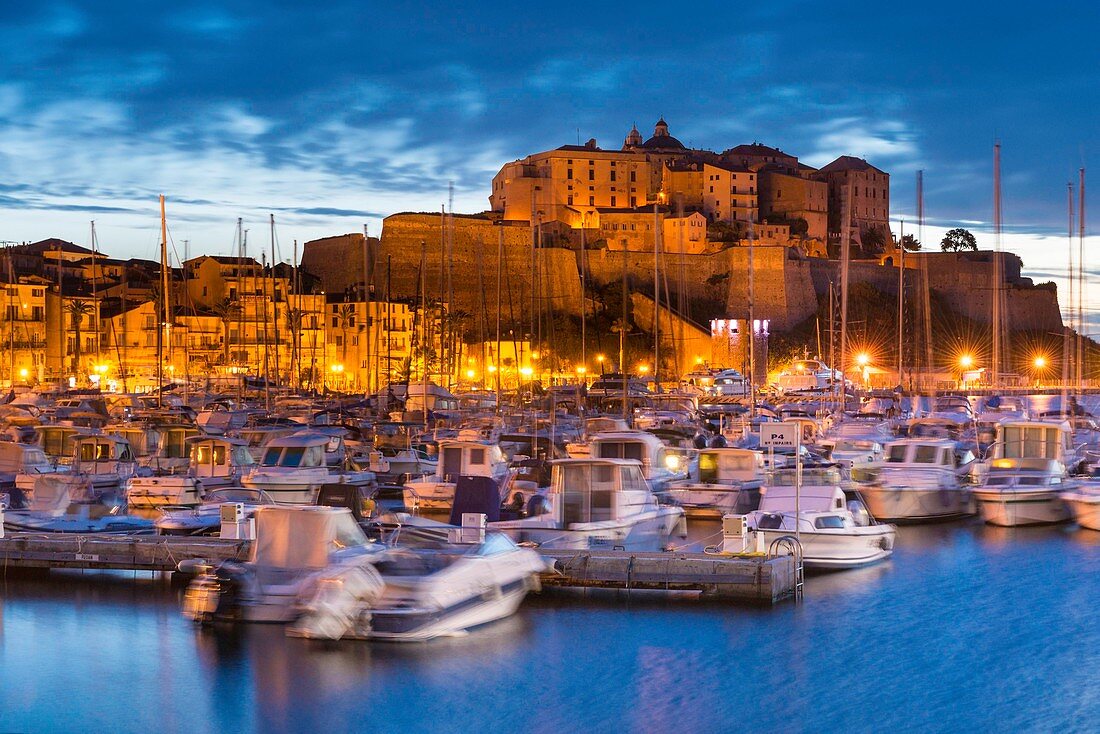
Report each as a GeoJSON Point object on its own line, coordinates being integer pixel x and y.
{"type": "Point", "coordinates": [966, 627]}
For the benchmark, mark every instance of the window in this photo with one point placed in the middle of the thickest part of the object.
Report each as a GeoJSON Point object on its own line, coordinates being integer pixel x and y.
{"type": "Point", "coordinates": [612, 174]}
{"type": "Point", "coordinates": [339, 341]}
{"type": "Point", "coordinates": [612, 201]}
{"type": "Point", "coordinates": [591, 201]}
{"type": "Point", "coordinates": [569, 173]}
{"type": "Point", "coordinates": [570, 200]}
{"type": "Point", "coordinates": [829, 521]}
{"type": "Point", "coordinates": [591, 174]}
{"type": "Point", "coordinates": [477, 456]}
{"type": "Point", "coordinates": [633, 176]}
{"type": "Point", "coordinates": [633, 201]}
{"type": "Point", "coordinates": [335, 322]}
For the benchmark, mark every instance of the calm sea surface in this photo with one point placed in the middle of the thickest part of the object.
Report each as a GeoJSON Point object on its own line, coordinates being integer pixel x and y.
{"type": "Point", "coordinates": [966, 628]}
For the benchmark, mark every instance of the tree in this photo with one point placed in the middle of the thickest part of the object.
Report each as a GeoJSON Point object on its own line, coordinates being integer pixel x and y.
{"type": "Point", "coordinates": [910, 243]}
{"type": "Point", "coordinates": [874, 240]}
{"type": "Point", "coordinates": [226, 310]}
{"type": "Point", "coordinates": [77, 310]}
{"type": "Point", "coordinates": [957, 240]}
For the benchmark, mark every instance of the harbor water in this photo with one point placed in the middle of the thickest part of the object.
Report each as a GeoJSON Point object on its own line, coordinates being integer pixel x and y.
{"type": "Point", "coordinates": [967, 627]}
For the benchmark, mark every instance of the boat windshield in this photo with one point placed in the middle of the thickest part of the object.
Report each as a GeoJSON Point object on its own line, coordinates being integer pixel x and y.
{"type": "Point", "coordinates": [621, 450]}
{"type": "Point", "coordinates": [816, 476]}
{"type": "Point", "coordinates": [925, 455]}
{"type": "Point", "coordinates": [896, 454]}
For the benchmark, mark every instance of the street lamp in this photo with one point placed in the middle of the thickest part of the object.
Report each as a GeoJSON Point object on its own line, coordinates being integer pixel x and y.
{"type": "Point", "coordinates": [600, 358]}
{"type": "Point", "coordinates": [966, 361]}
{"type": "Point", "coordinates": [1040, 365]}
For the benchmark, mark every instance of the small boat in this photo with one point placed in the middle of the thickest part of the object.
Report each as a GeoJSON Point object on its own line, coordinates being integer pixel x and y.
{"type": "Point", "coordinates": [214, 463]}
{"type": "Point", "coordinates": [205, 519]}
{"type": "Point", "coordinates": [106, 459]}
{"type": "Point", "coordinates": [459, 458]}
{"type": "Point", "coordinates": [597, 503]}
{"type": "Point", "coordinates": [293, 468]}
{"type": "Point", "coordinates": [729, 482]}
{"type": "Point", "coordinates": [808, 376]}
{"type": "Point", "coordinates": [68, 503]}
{"type": "Point", "coordinates": [1083, 501]}
{"type": "Point", "coordinates": [835, 533]}
{"type": "Point", "coordinates": [918, 480]}
{"type": "Point", "coordinates": [1022, 483]}
{"type": "Point", "coordinates": [440, 580]}
{"type": "Point", "coordinates": [20, 466]}
{"type": "Point", "coordinates": [296, 550]}
{"type": "Point", "coordinates": [1023, 492]}
{"type": "Point", "coordinates": [660, 463]}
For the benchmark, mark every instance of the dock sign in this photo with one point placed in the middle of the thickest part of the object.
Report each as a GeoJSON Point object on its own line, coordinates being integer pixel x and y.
{"type": "Point", "coordinates": [779, 435]}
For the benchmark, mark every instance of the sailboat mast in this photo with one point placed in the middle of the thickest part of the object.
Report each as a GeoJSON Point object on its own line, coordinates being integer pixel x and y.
{"type": "Point", "coordinates": [95, 293]}
{"type": "Point", "coordinates": [995, 364]}
{"type": "Point", "coordinates": [163, 334]}
{"type": "Point", "coordinates": [901, 299]}
{"type": "Point", "coordinates": [1067, 355]}
{"type": "Point", "coordinates": [845, 254]}
{"type": "Point", "coordinates": [1081, 280]}
{"type": "Point", "coordinates": [274, 304]}
{"type": "Point", "coordinates": [656, 299]}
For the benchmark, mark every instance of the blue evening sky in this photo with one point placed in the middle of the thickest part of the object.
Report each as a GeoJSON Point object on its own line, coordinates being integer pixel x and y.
{"type": "Point", "coordinates": [334, 114]}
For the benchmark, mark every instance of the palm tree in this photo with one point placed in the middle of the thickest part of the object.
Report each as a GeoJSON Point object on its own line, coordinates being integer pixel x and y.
{"type": "Point", "coordinates": [227, 309]}
{"type": "Point", "coordinates": [294, 319]}
{"type": "Point", "coordinates": [77, 310]}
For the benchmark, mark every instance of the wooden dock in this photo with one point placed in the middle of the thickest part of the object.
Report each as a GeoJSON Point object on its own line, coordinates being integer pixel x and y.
{"type": "Point", "coordinates": [750, 579]}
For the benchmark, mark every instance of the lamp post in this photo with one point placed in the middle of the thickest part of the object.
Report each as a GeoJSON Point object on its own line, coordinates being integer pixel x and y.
{"type": "Point", "coordinates": [1039, 364]}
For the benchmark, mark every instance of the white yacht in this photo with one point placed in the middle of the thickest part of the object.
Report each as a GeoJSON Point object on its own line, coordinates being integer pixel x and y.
{"type": "Point", "coordinates": [834, 532]}
{"type": "Point", "coordinates": [1022, 483]}
{"type": "Point", "coordinates": [807, 375]}
{"type": "Point", "coordinates": [440, 580]}
{"type": "Point", "coordinates": [729, 382]}
{"type": "Point", "coordinates": [295, 550]}
{"type": "Point", "coordinates": [20, 465]}
{"type": "Point", "coordinates": [1083, 501]}
{"type": "Point", "coordinates": [105, 459]}
{"type": "Point", "coordinates": [592, 426]}
{"type": "Point", "coordinates": [159, 448]}
{"type": "Point", "coordinates": [660, 463]}
{"type": "Point", "coordinates": [205, 518]}
{"type": "Point", "coordinates": [458, 458]}
{"type": "Point", "coordinates": [293, 469]}
{"type": "Point", "coordinates": [215, 463]}
{"type": "Point", "coordinates": [729, 483]}
{"type": "Point", "coordinates": [598, 503]}
{"type": "Point", "coordinates": [919, 480]}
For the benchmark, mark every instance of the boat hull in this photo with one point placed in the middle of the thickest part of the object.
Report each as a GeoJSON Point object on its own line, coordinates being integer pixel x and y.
{"type": "Point", "coordinates": [153, 492]}
{"type": "Point", "coordinates": [1085, 508]}
{"type": "Point", "coordinates": [847, 548]}
{"type": "Point", "coordinates": [705, 501]}
{"type": "Point", "coordinates": [1014, 509]}
{"type": "Point", "coordinates": [916, 504]}
{"type": "Point", "coordinates": [648, 531]}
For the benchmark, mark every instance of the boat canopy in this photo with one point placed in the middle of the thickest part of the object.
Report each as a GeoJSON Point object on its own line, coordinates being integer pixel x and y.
{"type": "Point", "coordinates": [303, 537]}
{"type": "Point", "coordinates": [812, 498]}
{"type": "Point", "coordinates": [588, 487]}
{"type": "Point", "coordinates": [1033, 440]}
{"type": "Point", "coordinates": [729, 465]}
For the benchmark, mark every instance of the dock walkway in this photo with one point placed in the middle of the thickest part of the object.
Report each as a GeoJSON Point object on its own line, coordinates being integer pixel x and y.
{"type": "Point", "coordinates": [751, 579]}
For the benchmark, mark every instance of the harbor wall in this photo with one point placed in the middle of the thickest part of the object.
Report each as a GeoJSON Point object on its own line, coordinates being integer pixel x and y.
{"type": "Point", "coordinates": [786, 292]}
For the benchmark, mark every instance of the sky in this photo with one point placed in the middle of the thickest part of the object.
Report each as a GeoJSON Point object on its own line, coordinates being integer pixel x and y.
{"type": "Point", "coordinates": [331, 115]}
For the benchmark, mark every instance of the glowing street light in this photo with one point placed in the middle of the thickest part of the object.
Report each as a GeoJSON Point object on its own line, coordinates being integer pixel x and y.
{"type": "Point", "coordinates": [966, 361]}
{"type": "Point", "coordinates": [1040, 362]}
{"type": "Point", "coordinates": [337, 368]}
{"type": "Point", "coordinates": [23, 374]}
{"type": "Point", "coordinates": [643, 368]}
{"type": "Point", "coordinates": [863, 359]}
{"type": "Point", "coordinates": [470, 374]}
{"type": "Point", "coordinates": [526, 371]}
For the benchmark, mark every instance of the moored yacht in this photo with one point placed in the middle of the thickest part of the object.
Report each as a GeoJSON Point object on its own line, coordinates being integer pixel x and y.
{"type": "Point", "coordinates": [660, 463]}
{"type": "Point", "coordinates": [835, 533]}
{"type": "Point", "coordinates": [729, 483]}
{"type": "Point", "coordinates": [1083, 502]}
{"type": "Point", "coordinates": [1023, 481]}
{"type": "Point", "coordinates": [215, 462]}
{"type": "Point", "coordinates": [598, 503]}
{"type": "Point", "coordinates": [458, 458]}
{"type": "Point", "coordinates": [919, 480]}
{"type": "Point", "coordinates": [293, 468]}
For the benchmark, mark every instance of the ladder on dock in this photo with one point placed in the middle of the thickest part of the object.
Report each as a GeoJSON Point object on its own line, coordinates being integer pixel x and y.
{"type": "Point", "coordinates": [788, 545]}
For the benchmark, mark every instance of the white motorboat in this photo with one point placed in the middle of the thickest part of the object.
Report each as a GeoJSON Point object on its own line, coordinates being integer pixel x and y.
{"type": "Point", "coordinates": [598, 503]}
{"type": "Point", "coordinates": [1083, 501]}
{"type": "Point", "coordinates": [729, 483]}
{"type": "Point", "coordinates": [68, 503]}
{"type": "Point", "coordinates": [214, 463]}
{"type": "Point", "coordinates": [919, 480]}
{"type": "Point", "coordinates": [601, 424]}
{"type": "Point", "coordinates": [158, 447]}
{"type": "Point", "coordinates": [807, 375]}
{"type": "Point", "coordinates": [660, 463]}
{"type": "Point", "coordinates": [729, 383]}
{"type": "Point", "coordinates": [459, 458]}
{"type": "Point", "coordinates": [205, 519]}
{"type": "Point", "coordinates": [293, 468]}
{"type": "Point", "coordinates": [106, 460]}
{"type": "Point", "coordinates": [835, 533]}
{"type": "Point", "coordinates": [20, 465]}
{"type": "Point", "coordinates": [1022, 482]}
{"type": "Point", "coordinates": [296, 549]}
{"type": "Point", "coordinates": [440, 580]}
{"type": "Point", "coordinates": [1023, 492]}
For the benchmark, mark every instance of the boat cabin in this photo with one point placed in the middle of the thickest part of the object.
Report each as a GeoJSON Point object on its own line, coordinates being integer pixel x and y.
{"type": "Point", "coordinates": [101, 453]}
{"type": "Point", "coordinates": [21, 458]}
{"type": "Point", "coordinates": [1034, 440]}
{"type": "Point", "coordinates": [730, 466]}
{"type": "Point", "coordinates": [639, 446]}
{"type": "Point", "coordinates": [597, 490]}
{"type": "Point", "coordinates": [469, 458]}
{"type": "Point", "coordinates": [290, 539]}
{"type": "Point", "coordinates": [217, 457]}
{"type": "Point", "coordinates": [300, 450]}
{"type": "Point", "coordinates": [917, 453]}
{"type": "Point", "coordinates": [56, 442]}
